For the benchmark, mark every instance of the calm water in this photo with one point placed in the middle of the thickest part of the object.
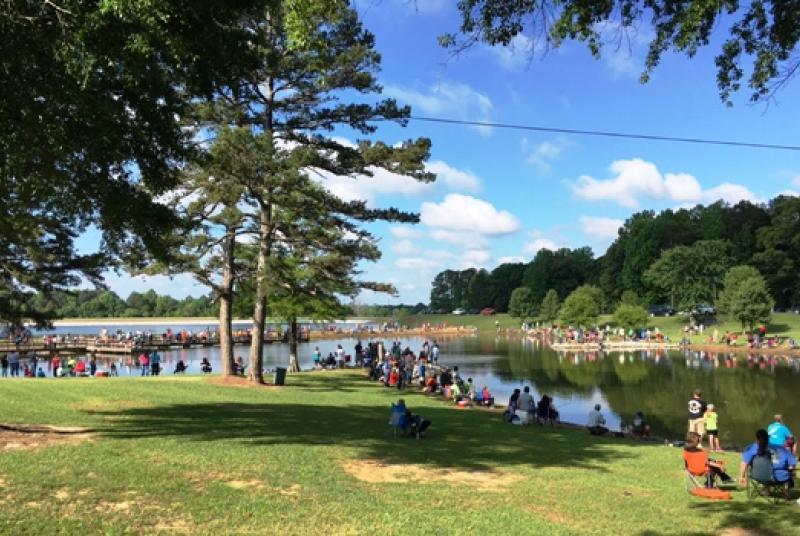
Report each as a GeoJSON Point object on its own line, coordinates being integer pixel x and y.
{"type": "Point", "coordinates": [745, 391]}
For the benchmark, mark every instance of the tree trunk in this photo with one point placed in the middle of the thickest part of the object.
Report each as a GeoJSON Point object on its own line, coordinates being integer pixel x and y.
{"type": "Point", "coordinates": [225, 304]}
{"type": "Point", "coordinates": [294, 336]}
{"type": "Point", "coordinates": [260, 310]}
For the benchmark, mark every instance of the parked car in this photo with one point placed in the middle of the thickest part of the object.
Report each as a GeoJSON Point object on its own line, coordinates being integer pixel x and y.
{"type": "Point", "coordinates": [488, 311]}
{"type": "Point", "coordinates": [473, 311]}
{"type": "Point", "coordinates": [704, 309]}
{"type": "Point", "coordinates": [661, 310]}
{"type": "Point", "coordinates": [459, 312]}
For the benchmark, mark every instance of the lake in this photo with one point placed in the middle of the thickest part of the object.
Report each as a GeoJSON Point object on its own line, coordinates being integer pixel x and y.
{"type": "Point", "coordinates": [746, 390]}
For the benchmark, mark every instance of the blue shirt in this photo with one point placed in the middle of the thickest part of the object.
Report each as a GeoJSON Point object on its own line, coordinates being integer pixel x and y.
{"type": "Point", "coordinates": [778, 434]}
{"type": "Point", "coordinates": [782, 460]}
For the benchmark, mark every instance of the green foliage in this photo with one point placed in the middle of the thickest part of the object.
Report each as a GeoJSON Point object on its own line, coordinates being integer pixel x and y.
{"type": "Point", "coordinates": [630, 316]}
{"type": "Point", "coordinates": [522, 305]}
{"type": "Point", "coordinates": [504, 279]}
{"type": "Point", "coordinates": [690, 275]}
{"type": "Point", "coordinates": [731, 285]}
{"type": "Point", "coordinates": [750, 302]}
{"type": "Point", "coordinates": [480, 293]}
{"type": "Point", "coordinates": [629, 297]}
{"type": "Point", "coordinates": [450, 289]}
{"type": "Point", "coordinates": [563, 270]}
{"type": "Point", "coordinates": [582, 306]}
{"type": "Point", "coordinates": [107, 304]}
{"type": "Point", "coordinates": [551, 306]}
{"type": "Point", "coordinates": [764, 32]}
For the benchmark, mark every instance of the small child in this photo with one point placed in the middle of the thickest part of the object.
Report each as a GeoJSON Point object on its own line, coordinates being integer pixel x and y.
{"type": "Point", "coordinates": [710, 419]}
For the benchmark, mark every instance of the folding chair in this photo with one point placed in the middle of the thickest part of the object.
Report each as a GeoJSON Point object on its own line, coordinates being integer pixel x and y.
{"type": "Point", "coordinates": [696, 469]}
{"type": "Point", "coordinates": [397, 420]}
{"type": "Point", "coordinates": [761, 480]}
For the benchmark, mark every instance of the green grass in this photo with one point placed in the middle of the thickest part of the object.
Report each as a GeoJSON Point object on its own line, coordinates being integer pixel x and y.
{"type": "Point", "coordinates": [187, 455]}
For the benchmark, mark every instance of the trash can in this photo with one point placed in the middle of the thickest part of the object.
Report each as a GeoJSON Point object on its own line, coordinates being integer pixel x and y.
{"type": "Point", "coordinates": [280, 376]}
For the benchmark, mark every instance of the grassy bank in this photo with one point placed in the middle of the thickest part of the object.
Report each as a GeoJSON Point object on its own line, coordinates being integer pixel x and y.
{"type": "Point", "coordinates": [191, 456]}
{"type": "Point", "coordinates": [782, 324]}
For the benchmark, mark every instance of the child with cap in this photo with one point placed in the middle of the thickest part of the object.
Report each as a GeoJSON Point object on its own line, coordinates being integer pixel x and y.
{"type": "Point", "coordinates": [710, 417]}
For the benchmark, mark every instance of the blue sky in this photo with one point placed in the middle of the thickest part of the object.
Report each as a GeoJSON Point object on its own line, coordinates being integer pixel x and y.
{"type": "Point", "coordinates": [503, 194]}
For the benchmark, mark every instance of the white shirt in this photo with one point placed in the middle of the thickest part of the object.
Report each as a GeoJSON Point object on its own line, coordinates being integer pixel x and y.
{"type": "Point", "coordinates": [596, 419]}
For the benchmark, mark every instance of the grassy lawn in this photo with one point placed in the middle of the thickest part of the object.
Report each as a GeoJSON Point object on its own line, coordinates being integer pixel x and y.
{"type": "Point", "coordinates": [317, 457]}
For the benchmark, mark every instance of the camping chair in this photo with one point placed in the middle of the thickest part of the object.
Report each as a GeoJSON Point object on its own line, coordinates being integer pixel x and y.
{"type": "Point", "coordinates": [761, 480]}
{"type": "Point", "coordinates": [696, 469]}
{"type": "Point", "coordinates": [397, 420]}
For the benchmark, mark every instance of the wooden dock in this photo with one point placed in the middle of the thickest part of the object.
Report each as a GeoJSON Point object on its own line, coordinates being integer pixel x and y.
{"type": "Point", "coordinates": [98, 346]}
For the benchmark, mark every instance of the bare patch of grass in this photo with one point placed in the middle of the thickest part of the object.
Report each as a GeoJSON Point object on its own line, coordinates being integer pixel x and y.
{"type": "Point", "coordinates": [29, 437]}
{"type": "Point", "coordinates": [376, 472]}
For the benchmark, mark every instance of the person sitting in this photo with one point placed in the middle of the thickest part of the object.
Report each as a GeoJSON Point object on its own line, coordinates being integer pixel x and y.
{"type": "Point", "coordinates": [470, 389]}
{"type": "Point", "coordinates": [510, 414]}
{"type": "Point", "coordinates": [486, 397]}
{"type": "Point", "coordinates": [783, 463]}
{"type": "Point", "coordinates": [180, 367]}
{"type": "Point", "coordinates": [238, 366]}
{"type": "Point", "coordinates": [780, 435]}
{"type": "Point", "coordinates": [430, 384]}
{"type": "Point", "coordinates": [546, 411]}
{"type": "Point", "coordinates": [80, 368]}
{"type": "Point", "coordinates": [205, 366]}
{"type": "Point", "coordinates": [698, 463]}
{"type": "Point", "coordinates": [596, 423]}
{"type": "Point", "coordinates": [416, 424]}
{"type": "Point", "coordinates": [40, 373]}
{"type": "Point", "coordinates": [113, 370]}
{"type": "Point", "coordinates": [456, 395]}
{"type": "Point", "coordinates": [639, 428]}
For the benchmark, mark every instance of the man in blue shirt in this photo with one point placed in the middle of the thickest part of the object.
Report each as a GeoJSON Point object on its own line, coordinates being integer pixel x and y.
{"type": "Point", "coordinates": [780, 435]}
{"type": "Point", "coordinates": [783, 463]}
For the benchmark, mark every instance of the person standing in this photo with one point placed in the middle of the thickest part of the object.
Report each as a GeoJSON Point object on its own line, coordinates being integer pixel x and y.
{"type": "Point", "coordinates": [710, 420]}
{"type": "Point", "coordinates": [697, 410]}
{"type": "Point", "coordinates": [4, 365]}
{"type": "Point", "coordinates": [144, 363]}
{"type": "Point", "coordinates": [13, 363]}
{"type": "Point", "coordinates": [525, 403]}
{"type": "Point", "coordinates": [55, 363]}
{"type": "Point", "coordinates": [155, 363]}
{"type": "Point", "coordinates": [339, 356]}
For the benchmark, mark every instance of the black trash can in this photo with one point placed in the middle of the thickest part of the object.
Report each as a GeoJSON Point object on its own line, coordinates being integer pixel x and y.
{"type": "Point", "coordinates": [280, 376]}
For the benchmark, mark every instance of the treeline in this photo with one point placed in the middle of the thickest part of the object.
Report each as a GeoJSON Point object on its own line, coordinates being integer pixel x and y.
{"type": "Point", "coordinates": [107, 304]}
{"type": "Point", "coordinates": [675, 257]}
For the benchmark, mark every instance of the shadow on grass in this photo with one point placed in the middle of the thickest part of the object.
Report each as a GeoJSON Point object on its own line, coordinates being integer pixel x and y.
{"type": "Point", "coordinates": [463, 439]}
{"type": "Point", "coordinates": [753, 516]}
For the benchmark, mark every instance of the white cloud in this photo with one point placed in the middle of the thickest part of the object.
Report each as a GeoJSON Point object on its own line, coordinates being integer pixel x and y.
{"type": "Point", "coordinates": [513, 259]}
{"type": "Point", "coordinates": [796, 180]}
{"type": "Point", "coordinates": [404, 232]}
{"type": "Point", "coordinates": [466, 213]}
{"type": "Point", "coordinates": [454, 179]}
{"type": "Point", "coordinates": [540, 241]}
{"type": "Point", "coordinates": [543, 154]}
{"type": "Point", "coordinates": [476, 258]}
{"type": "Point", "coordinates": [636, 178]}
{"type": "Point", "coordinates": [417, 263]}
{"type": "Point", "coordinates": [728, 192]}
{"type": "Point", "coordinates": [463, 238]}
{"type": "Point", "coordinates": [404, 247]}
{"type": "Point", "coordinates": [517, 55]}
{"type": "Point", "coordinates": [369, 188]}
{"type": "Point", "coordinates": [600, 227]}
{"type": "Point", "coordinates": [447, 99]}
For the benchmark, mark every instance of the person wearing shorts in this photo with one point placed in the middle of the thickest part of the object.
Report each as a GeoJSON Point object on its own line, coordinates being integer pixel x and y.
{"type": "Point", "coordinates": [697, 410]}
{"type": "Point", "coordinates": [711, 419]}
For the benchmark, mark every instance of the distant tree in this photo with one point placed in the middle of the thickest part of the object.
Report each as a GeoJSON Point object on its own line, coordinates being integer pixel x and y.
{"type": "Point", "coordinates": [630, 316]}
{"type": "Point", "coordinates": [504, 279]}
{"type": "Point", "coordinates": [551, 305]}
{"type": "Point", "coordinates": [522, 304]}
{"type": "Point", "coordinates": [689, 275]}
{"type": "Point", "coordinates": [629, 297]}
{"type": "Point", "coordinates": [731, 285]}
{"type": "Point", "coordinates": [751, 303]}
{"type": "Point", "coordinates": [479, 290]}
{"type": "Point", "coordinates": [581, 308]}
{"type": "Point", "coordinates": [563, 270]}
